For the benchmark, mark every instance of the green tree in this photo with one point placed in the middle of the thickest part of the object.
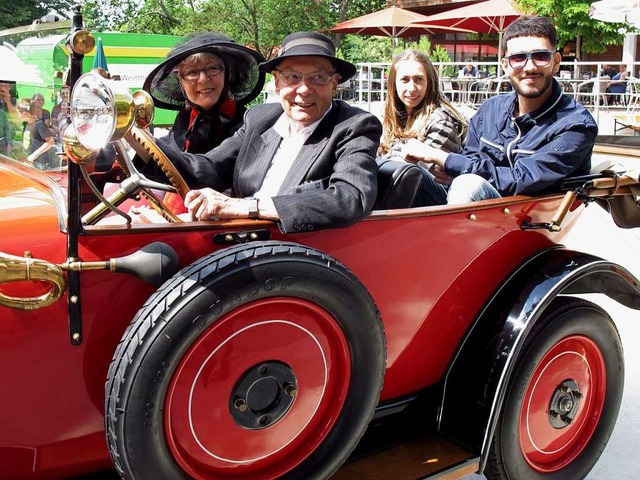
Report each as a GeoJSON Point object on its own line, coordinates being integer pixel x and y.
{"type": "Point", "coordinates": [17, 13]}
{"type": "Point", "coordinates": [359, 48]}
{"type": "Point", "coordinates": [571, 18]}
{"type": "Point", "coordinates": [262, 23]}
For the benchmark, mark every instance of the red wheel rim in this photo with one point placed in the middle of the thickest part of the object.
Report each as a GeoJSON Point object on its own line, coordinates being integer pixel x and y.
{"type": "Point", "coordinates": [203, 435]}
{"type": "Point", "coordinates": [562, 404]}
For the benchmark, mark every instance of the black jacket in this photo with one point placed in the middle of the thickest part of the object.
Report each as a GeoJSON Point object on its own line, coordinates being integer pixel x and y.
{"type": "Point", "coordinates": [331, 183]}
{"type": "Point", "coordinates": [208, 130]}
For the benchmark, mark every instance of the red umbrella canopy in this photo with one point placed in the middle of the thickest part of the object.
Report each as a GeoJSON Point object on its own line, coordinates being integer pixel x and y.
{"type": "Point", "coordinates": [392, 22]}
{"type": "Point", "coordinates": [491, 16]}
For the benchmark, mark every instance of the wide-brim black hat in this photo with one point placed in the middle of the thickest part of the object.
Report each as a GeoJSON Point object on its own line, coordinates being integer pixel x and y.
{"type": "Point", "coordinates": [245, 80]}
{"type": "Point", "coordinates": [305, 44]}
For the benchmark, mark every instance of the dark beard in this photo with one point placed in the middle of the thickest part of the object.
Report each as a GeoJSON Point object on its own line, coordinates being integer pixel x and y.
{"type": "Point", "coordinates": [534, 93]}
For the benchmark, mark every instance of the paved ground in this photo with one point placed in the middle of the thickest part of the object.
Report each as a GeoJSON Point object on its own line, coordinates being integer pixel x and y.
{"type": "Point", "coordinates": [595, 233]}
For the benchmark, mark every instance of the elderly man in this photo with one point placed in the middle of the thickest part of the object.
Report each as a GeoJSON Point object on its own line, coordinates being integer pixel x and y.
{"type": "Point", "coordinates": [307, 161]}
{"type": "Point", "coordinates": [525, 142]}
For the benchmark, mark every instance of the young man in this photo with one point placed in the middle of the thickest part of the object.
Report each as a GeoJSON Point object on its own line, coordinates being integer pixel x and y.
{"type": "Point", "coordinates": [525, 142]}
{"type": "Point", "coordinates": [308, 161]}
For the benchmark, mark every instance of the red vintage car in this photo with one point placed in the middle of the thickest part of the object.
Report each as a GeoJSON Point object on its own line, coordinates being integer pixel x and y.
{"type": "Point", "coordinates": [228, 350]}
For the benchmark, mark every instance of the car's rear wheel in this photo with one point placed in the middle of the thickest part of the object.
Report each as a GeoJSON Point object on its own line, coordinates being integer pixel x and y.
{"type": "Point", "coordinates": [564, 399]}
{"type": "Point", "coordinates": [254, 363]}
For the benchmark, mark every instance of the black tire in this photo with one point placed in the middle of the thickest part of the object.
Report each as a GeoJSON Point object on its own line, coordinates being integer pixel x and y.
{"type": "Point", "coordinates": [570, 327]}
{"type": "Point", "coordinates": [197, 306]}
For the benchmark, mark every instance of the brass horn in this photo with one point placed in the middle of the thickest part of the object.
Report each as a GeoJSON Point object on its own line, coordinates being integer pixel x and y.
{"type": "Point", "coordinates": [15, 269]}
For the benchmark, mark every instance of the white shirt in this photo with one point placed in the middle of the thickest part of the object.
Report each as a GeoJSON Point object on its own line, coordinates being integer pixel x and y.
{"type": "Point", "coordinates": [288, 150]}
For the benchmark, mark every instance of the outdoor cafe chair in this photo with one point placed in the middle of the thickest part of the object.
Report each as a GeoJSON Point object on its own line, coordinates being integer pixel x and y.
{"type": "Point", "coordinates": [588, 91]}
{"type": "Point", "coordinates": [630, 118]}
{"type": "Point", "coordinates": [452, 93]}
{"type": "Point", "coordinates": [480, 90]}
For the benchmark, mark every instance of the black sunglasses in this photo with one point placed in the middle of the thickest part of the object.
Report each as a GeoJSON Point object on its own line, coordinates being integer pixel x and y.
{"type": "Point", "coordinates": [540, 58]}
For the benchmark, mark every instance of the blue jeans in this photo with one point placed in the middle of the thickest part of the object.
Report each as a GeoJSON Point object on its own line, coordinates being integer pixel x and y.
{"type": "Point", "coordinates": [470, 187]}
{"type": "Point", "coordinates": [430, 192]}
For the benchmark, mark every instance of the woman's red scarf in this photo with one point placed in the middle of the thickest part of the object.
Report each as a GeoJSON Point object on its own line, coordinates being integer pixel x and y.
{"type": "Point", "coordinates": [172, 200]}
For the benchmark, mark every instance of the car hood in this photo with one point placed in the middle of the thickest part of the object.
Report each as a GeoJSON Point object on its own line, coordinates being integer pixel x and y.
{"type": "Point", "coordinates": [29, 195]}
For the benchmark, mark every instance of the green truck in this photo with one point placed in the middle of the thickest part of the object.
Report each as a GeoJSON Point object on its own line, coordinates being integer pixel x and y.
{"type": "Point", "coordinates": [130, 57]}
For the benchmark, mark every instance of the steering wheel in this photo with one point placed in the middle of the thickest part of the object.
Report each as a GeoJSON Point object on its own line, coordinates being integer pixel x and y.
{"type": "Point", "coordinates": [136, 183]}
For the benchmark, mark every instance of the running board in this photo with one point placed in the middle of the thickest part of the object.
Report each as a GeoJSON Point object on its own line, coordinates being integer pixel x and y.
{"type": "Point", "coordinates": [426, 457]}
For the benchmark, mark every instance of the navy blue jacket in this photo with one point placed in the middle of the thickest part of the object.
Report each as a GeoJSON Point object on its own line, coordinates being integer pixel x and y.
{"type": "Point", "coordinates": [529, 154]}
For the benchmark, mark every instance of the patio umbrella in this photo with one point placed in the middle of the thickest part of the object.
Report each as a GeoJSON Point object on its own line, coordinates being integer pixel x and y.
{"type": "Point", "coordinates": [99, 59]}
{"type": "Point", "coordinates": [392, 22]}
{"type": "Point", "coordinates": [14, 70]}
{"type": "Point", "coordinates": [491, 16]}
{"type": "Point", "coordinates": [616, 11]}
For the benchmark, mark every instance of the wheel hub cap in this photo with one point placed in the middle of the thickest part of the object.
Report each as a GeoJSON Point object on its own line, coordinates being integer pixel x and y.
{"type": "Point", "coordinates": [263, 395]}
{"type": "Point", "coordinates": [564, 404]}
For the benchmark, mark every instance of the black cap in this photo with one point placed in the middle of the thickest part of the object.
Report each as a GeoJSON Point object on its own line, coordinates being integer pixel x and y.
{"type": "Point", "coordinates": [305, 44]}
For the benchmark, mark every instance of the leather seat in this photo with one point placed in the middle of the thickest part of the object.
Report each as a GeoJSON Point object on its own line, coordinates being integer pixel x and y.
{"type": "Point", "coordinates": [398, 184]}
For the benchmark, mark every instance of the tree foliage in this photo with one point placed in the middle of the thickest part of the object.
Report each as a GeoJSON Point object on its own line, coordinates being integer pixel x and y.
{"type": "Point", "coordinates": [17, 13]}
{"type": "Point", "coordinates": [260, 23]}
{"type": "Point", "coordinates": [571, 18]}
{"type": "Point", "coordinates": [264, 23]}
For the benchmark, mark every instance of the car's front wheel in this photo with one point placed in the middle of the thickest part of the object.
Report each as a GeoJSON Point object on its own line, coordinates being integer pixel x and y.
{"type": "Point", "coordinates": [255, 363]}
{"type": "Point", "coordinates": [564, 398]}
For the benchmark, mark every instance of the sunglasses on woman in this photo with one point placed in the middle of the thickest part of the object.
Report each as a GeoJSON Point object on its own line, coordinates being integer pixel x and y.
{"type": "Point", "coordinates": [540, 58]}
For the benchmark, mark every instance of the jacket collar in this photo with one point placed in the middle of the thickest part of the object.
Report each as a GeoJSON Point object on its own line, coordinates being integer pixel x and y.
{"type": "Point", "coordinates": [545, 109]}
{"type": "Point", "coordinates": [311, 149]}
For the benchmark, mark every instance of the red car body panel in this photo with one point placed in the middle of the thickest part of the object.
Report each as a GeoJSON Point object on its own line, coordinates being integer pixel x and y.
{"type": "Point", "coordinates": [430, 271]}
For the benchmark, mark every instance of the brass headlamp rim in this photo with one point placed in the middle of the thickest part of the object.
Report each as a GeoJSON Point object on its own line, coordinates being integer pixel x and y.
{"type": "Point", "coordinates": [119, 99]}
{"type": "Point", "coordinates": [128, 109]}
{"type": "Point", "coordinates": [81, 42]}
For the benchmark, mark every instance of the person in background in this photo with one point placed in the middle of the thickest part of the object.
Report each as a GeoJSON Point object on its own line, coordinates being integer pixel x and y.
{"type": "Point", "coordinates": [6, 134]}
{"type": "Point", "coordinates": [417, 113]}
{"type": "Point", "coordinates": [618, 85]}
{"type": "Point", "coordinates": [6, 127]}
{"type": "Point", "coordinates": [37, 139]}
{"type": "Point", "coordinates": [209, 79]}
{"type": "Point", "coordinates": [526, 142]}
{"type": "Point", "coordinates": [608, 71]}
{"type": "Point", "coordinates": [307, 162]}
{"type": "Point", "coordinates": [41, 113]}
{"type": "Point", "coordinates": [467, 76]}
{"type": "Point", "coordinates": [469, 70]}
{"type": "Point", "coordinates": [59, 114]}
{"type": "Point", "coordinates": [7, 101]}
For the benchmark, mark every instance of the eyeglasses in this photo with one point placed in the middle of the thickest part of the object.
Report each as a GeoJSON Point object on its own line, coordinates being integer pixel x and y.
{"type": "Point", "coordinates": [291, 78]}
{"type": "Point", "coordinates": [540, 58]}
{"type": "Point", "coordinates": [209, 72]}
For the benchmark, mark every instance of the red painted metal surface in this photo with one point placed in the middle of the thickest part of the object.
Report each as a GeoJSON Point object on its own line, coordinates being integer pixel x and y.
{"type": "Point", "coordinates": [430, 271]}
{"type": "Point", "coordinates": [308, 340]}
{"type": "Point", "coordinates": [548, 449]}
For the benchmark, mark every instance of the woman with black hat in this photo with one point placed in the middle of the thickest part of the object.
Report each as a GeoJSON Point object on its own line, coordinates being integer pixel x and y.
{"type": "Point", "coordinates": [209, 79]}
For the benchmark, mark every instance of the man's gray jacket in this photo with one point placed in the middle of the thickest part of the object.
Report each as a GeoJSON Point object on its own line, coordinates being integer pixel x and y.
{"type": "Point", "coordinates": [529, 154]}
{"type": "Point", "coordinates": [331, 183]}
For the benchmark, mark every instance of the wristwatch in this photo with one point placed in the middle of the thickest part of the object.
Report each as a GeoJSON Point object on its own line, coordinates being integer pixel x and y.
{"type": "Point", "coordinates": [252, 204]}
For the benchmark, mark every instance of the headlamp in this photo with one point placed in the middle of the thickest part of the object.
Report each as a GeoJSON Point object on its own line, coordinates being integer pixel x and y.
{"type": "Point", "coordinates": [102, 111]}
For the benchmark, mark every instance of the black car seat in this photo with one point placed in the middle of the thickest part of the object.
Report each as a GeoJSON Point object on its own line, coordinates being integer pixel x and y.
{"type": "Point", "coordinates": [398, 184]}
